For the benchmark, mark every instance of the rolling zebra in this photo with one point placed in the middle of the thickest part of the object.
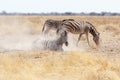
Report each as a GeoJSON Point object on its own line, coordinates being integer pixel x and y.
{"type": "Point", "coordinates": [53, 25]}
{"type": "Point", "coordinates": [54, 45]}
{"type": "Point", "coordinates": [80, 28]}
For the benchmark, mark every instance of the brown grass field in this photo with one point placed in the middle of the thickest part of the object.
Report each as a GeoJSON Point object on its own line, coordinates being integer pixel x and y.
{"type": "Point", "coordinates": [19, 62]}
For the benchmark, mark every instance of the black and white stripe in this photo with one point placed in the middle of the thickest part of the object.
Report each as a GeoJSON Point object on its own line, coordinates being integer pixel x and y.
{"type": "Point", "coordinates": [80, 28]}
{"type": "Point", "coordinates": [54, 45]}
{"type": "Point", "coordinates": [73, 26]}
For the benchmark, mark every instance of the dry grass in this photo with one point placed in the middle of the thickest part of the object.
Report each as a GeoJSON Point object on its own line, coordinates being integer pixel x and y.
{"type": "Point", "coordinates": [101, 63]}
{"type": "Point", "coordinates": [37, 65]}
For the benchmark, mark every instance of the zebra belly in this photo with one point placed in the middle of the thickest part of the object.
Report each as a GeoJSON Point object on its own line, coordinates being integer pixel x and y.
{"type": "Point", "coordinates": [74, 32]}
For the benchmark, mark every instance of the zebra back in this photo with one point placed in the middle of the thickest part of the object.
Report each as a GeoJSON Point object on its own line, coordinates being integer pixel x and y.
{"type": "Point", "coordinates": [72, 26]}
{"type": "Point", "coordinates": [53, 24]}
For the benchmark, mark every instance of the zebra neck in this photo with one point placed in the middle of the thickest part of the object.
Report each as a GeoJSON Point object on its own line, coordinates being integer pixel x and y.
{"type": "Point", "coordinates": [93, 31]}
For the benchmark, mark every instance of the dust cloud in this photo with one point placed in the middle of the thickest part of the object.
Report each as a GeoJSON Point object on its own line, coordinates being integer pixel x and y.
{"type": "Point", "coordinates": [16, 36]}
{"type": "Point", "coordinates": [19, 35]}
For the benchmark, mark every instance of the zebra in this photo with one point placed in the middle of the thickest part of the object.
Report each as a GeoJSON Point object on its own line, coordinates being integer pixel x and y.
{"type": "Point", "coordinates": [54, 45]}
{"type": "Point", "coordinates": [53, 24]}
{"type": "Point", "coordinates": [82, 27]}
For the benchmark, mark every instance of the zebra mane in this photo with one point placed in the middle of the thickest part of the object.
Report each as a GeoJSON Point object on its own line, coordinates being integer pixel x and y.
{"type": "Point", "coordinates": [67, 20]}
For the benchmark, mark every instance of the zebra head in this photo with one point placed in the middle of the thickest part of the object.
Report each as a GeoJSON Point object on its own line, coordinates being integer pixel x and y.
{"type": "Point", "coordinates": [96, 38]}
{"type": "Point", "coordinates": [64, 37]}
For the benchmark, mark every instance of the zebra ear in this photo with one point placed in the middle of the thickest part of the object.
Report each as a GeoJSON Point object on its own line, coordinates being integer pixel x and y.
{"type": "Point", "coordinates": [57, 31]}
{"type": "Point", "coordinates": [65, 33]}
{"type": "Point", "coordinates": [66, 43]}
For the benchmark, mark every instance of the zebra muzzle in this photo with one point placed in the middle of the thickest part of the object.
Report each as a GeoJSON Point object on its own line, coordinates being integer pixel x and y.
{"type": "Point", "coordinates": [66, 43]}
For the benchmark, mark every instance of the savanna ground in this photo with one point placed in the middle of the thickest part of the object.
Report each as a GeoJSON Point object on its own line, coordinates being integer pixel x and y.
{"type": "Point", "coordinates": [18, 61]}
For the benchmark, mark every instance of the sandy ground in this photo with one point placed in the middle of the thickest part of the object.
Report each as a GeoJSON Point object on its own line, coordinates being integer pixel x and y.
{"type": "Point", "coordinates": [19, 60]}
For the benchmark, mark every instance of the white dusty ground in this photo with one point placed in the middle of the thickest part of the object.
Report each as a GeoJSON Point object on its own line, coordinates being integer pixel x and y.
{"type": "Point", "coordinates": [28, 42]}
{"type": "Point", "coordinates": [20, 34]}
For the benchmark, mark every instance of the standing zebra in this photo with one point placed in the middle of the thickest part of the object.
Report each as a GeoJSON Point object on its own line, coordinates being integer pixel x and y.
{"type": "Point", "coordinates": [80, 28]}
{"type": "Point", "coordinates": [53, 24]}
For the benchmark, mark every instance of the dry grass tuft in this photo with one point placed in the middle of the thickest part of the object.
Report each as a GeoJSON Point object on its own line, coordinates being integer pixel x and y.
{"type": "Point", "coordinates": [52, 65]}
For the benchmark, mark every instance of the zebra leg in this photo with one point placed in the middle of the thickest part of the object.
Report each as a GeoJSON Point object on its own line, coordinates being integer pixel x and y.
{"type": "Point", "coordinates": [87, 39]}
{"type": "Point", "coordinates": [79, 38]}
